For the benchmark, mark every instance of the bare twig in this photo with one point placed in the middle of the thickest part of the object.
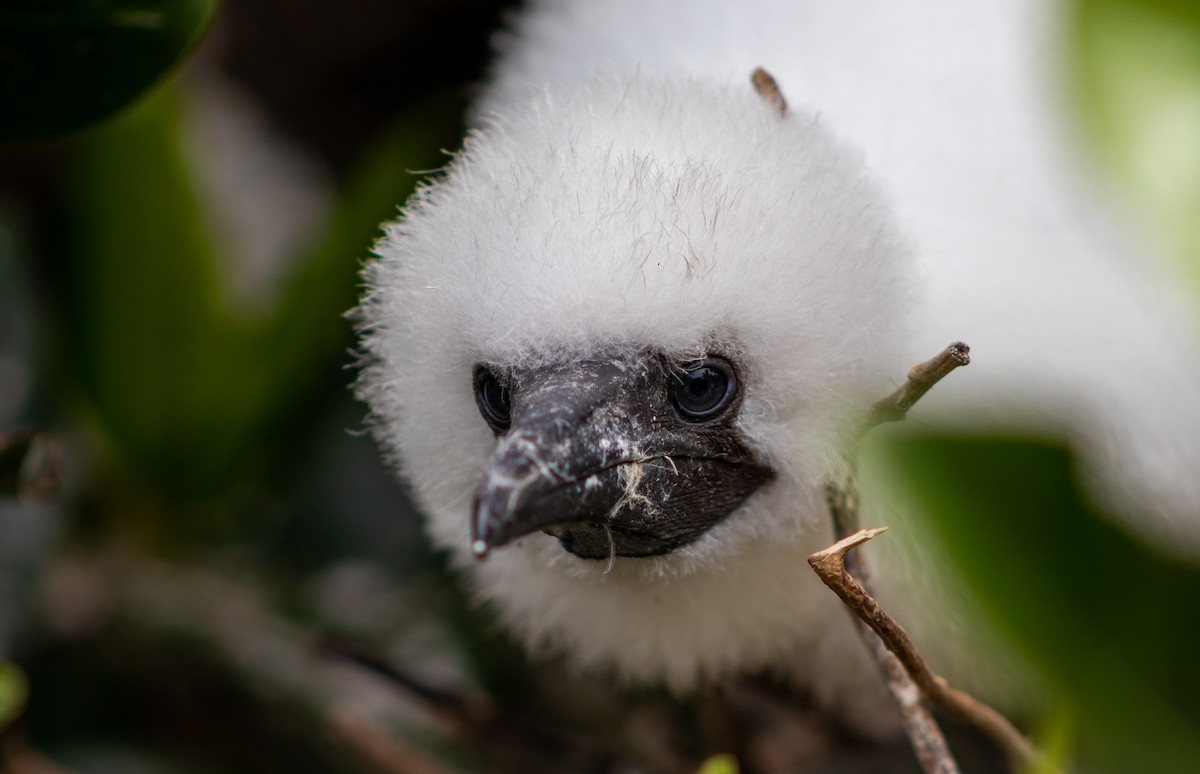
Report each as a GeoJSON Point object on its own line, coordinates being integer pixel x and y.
{"type": "Point", "coordinates": [842, 497]}
{"type": "Point", "coordinates": [480, 716]}
{"type": "Point", "coordinates": [830, 565]}
{"type": "Point", "coordinates": [384, 750]}
{"type": "Point", "coordinates": [472, 712]}
{"type": "Point", "coordinates": [921, 378]}
{"type": "Point", "coordinates": [922, 730]}
{"type": "Point", "coordinates": [906, 672]}
{"type": "Point", "coordinates": [769, 90]}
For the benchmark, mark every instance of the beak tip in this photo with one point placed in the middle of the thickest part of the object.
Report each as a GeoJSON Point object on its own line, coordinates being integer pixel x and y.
{"type": "Point", "coordinates": [480, 549]}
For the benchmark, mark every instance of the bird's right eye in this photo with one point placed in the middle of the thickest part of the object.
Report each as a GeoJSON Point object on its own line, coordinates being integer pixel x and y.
{"type": "Point", "coordinates": [703, 389]}
{"type": "Point", "coordinates": [493, 399]}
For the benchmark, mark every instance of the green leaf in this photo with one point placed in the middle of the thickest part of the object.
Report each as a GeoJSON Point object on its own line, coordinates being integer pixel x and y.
{"type": "Point", "coordinates": [1137, 68]}
{"type": "Point", "coordinates": [67, 64]}
{"type": "Point", "coordinates": [145, 337]}
{"type": "Point", "coordinates": [193, 392]}
{"type": "Point", "coordinates": [14, 691]}
{"type": "Point", "coordinates": [1111, 623]}
{"type": "Point", "coordinates": [719, 764]}
{"type": "Point", "coordinates": [1055, 741]}
{"type": "Point", "coordinates": [308, 325]}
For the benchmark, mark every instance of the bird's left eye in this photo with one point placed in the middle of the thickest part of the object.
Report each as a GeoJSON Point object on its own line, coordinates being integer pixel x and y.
{"type": "Point", "coordinates": [494, 400]}
{"type": "Point", "coordinates": [704, 389]}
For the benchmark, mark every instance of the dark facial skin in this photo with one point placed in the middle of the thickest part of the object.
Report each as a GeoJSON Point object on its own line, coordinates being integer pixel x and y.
{"type": "Point", "coordinates": [633, 455]}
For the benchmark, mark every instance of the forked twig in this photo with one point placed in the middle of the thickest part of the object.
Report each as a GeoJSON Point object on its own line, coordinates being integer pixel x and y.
{"type": "Point", "coordinates": [830, 565]}
{"type": "Point", "coordinates": [907, 674]}
{"type": "Point", "coordinates": [922, 729]}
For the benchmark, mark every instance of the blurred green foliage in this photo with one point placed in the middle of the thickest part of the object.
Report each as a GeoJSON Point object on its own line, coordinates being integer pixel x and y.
{"type": "Point", "coordinates": [68, 64]}
{"type": "Point", "coordinates": [719, 764]}
{"type": "Point", "coordinates": [219, 417]}
{"type": "Point", "coordinates": [14, 691]}
{"type": "Point", "coordinates": [1110, 623]}
{"type": "Point", "coordinates": [193, 391]}
{"type": "Point", "coordinates": [1056, 742]}
{"type": "Point", "coordinates": [1137, 69]}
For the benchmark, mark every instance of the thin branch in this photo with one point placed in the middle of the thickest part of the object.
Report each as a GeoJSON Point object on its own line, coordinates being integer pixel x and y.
{"type": "Point", "coordinates": [830, 565]}
{"type": "Point", "coordinates": [928, 742]}
{"type": "Point", "coordinates": [480, 716]}
{"type": "Point", "coordinates": [384, 750]}
{"type": "Point", "coordinates": [922, 729]}
{"type": "Point", "coordinates": [907, 674]}
{"type": "Point", "coordinates": [921, 378]}
{"type": "Point", "coordinates": [842, 497]}
{"type": "Point", "coordinates": [768, 89]}
{"type": "Point", "coordinates": [472, 712]}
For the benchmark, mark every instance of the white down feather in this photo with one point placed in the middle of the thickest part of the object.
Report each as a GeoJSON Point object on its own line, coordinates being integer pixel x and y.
{"type": "Point", "coordinates": [627, 189]}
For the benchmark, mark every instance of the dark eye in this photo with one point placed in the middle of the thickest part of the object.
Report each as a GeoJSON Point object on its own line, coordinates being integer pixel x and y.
{"type": "Point", "coordinates": [493, 399]}
{"type": "Point", "coordinates": [703, 389]}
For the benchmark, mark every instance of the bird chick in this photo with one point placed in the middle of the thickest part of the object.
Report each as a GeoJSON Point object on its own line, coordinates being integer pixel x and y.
{"type": "Point", "coordinates": [617, 345]}
{"type": "Point", "coordinates": [620, 338]}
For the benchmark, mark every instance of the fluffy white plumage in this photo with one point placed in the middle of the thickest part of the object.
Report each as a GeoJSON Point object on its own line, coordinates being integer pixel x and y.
{"type": "Point", "coordinates": [627, 189]}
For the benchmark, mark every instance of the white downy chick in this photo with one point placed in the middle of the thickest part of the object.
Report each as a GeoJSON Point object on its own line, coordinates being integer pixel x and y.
{"type": "Point", "coordinates": [616, 346]}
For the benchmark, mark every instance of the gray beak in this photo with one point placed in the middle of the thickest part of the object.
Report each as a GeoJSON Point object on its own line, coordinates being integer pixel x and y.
{"type": "Point", "coordinates": [597, 457]}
